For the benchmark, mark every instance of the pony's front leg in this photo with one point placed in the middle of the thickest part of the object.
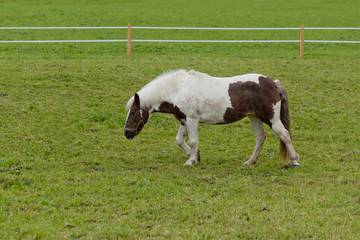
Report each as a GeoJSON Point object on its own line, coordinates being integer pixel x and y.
{"type": "Point", "coordinates": [180, 139]}
{"type": "Point", "coordinates": [192, 129]}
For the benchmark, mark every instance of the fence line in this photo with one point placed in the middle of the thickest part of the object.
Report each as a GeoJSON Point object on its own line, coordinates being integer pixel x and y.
{"type": "Point", "coordinates": [177, 41]}
{"type": "Point", "coordinates": [181, 28]}
{"type": "Point", "coordinates": [129, 40]}
{"type": "Point", "coordinates": [64, 41]}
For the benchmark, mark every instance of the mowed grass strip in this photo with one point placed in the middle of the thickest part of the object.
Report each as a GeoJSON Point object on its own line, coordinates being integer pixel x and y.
{"type": "Point", "coordinates": [66, 171]}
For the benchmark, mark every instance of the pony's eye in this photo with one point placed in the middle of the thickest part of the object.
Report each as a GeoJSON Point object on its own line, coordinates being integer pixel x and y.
{"type": "Point", "coordinates": [132, 113]}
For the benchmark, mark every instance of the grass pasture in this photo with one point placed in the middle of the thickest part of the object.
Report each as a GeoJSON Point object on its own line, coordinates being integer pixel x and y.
{"type": "Point", "coordinates": [67, 171]}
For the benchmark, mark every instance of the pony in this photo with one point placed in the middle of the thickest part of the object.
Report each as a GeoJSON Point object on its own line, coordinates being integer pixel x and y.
{"type": "Point", "coordinates": [194, 97]}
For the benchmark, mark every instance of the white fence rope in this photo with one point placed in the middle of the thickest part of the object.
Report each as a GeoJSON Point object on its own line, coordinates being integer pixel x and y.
{"type": "Point", "coordinates": [182, 28]}
{"type": "Point", "coordinates": [178, 41]}
{"type": "Point", "coordinates": [63, 41]}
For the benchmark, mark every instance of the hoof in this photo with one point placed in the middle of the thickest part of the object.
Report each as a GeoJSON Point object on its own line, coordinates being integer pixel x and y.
{"type": "Point", "coordinates": [291, 165]}
{"type": "Point", "coordinates": [245, 164]}
{"type": "Point", "coordinates": [295, 163]}
{"type": "Point", "coordinates": [249, 162]}
{"type": "Point", "coordinates": [191, 162]}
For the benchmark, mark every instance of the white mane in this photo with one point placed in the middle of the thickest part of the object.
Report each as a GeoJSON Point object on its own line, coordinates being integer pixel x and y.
{"type": "Point", "coordinates": [161, 87]}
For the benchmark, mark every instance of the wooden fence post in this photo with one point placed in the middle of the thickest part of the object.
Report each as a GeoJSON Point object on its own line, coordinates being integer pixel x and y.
{"type": "Point", "coordinates": [129, 41]}
{"type": "Point", "coordinates": [302, 42]}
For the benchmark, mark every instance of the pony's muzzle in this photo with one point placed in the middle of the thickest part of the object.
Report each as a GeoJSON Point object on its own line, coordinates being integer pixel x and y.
{"type": "Point", "coordinates": [129, 134]}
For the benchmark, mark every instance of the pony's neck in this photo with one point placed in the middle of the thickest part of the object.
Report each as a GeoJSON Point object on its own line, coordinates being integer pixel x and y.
{"type": "Point", "coordinates": [151, 99]}
{"type": "Point", "coordinates": [160, 90]}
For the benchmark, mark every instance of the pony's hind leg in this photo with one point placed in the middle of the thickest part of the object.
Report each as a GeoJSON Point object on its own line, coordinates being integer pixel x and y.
{"type": "Point", "coordinates": [180, 139]}
{"type": "Point", "coordinates": [285, 137]}
{"type": "Point", "coordinates": [260, 136]}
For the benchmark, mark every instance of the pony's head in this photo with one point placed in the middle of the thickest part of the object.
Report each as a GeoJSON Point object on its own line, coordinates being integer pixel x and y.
{"type": "Point", "coordinates": [136, 119]}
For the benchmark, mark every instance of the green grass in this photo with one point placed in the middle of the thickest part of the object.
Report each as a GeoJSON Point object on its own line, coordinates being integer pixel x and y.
{"type": "Point", "coordinates": [67, 171]}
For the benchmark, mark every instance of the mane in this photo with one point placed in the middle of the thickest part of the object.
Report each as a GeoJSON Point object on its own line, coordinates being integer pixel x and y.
{"type": "Point", "coordinates": [161, 87]}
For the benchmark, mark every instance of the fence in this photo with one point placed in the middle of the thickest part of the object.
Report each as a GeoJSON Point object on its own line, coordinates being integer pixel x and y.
{"type": "Point", "coordinates": [129, 39]}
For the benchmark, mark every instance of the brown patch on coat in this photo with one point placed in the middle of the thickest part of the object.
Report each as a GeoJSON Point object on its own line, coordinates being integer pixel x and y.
{"type": "Point", "coordinates": [167, 107]}
{"type": "Point", "coordinates": [250, 98]}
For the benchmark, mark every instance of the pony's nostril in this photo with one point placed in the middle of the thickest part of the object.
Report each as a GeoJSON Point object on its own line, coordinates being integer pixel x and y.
{"type": "Point", "coordinates": [129, 134]}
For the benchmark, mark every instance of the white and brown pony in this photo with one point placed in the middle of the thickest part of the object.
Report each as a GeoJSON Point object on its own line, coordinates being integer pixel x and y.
{"type": "Point", "coordinates": [194, 97]}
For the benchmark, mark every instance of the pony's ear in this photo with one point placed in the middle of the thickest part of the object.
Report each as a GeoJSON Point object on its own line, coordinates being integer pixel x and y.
{"type": "Point", "coordinates": [137, 100]}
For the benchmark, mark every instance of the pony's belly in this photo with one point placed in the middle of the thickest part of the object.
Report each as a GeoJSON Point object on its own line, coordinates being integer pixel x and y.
{"type": "Point", "coordinates": [212, 122]}
{"type": "Point", "coordinates": [213, 118]}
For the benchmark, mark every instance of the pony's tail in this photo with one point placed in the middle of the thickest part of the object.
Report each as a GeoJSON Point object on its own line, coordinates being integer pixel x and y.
{"type": "Point", "coordinates": [284, 117]}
